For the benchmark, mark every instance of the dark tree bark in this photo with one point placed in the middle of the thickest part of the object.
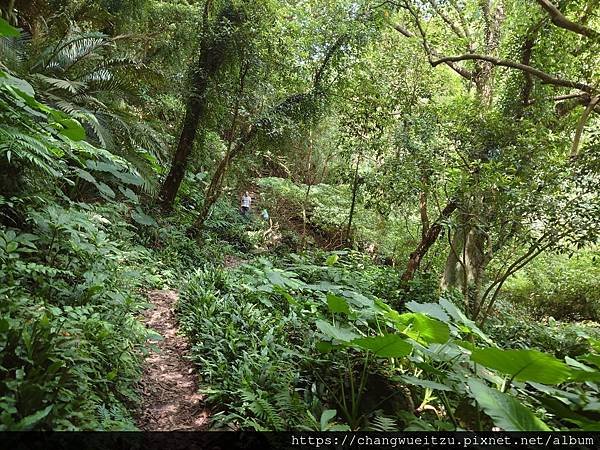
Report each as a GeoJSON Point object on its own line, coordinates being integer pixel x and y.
{"type": "Point", "coordinates": [429, 238]}
{"type": "Point", "coordinates": [212, 56]}
{"type": "Point", "coordinates": [353, 204]}
{"type": "Point", "coordinates": [559, 19]}
{"type": "Point", "coordinates": [526, 54]}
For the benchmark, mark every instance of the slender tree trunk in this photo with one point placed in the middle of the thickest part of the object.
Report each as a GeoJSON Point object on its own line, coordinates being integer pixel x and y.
{"type": "Point", "coordinates": [429, 237]}
{"type": "Point", "coordinates": [216, 183]}
{"type": "Point", "coordinates": [180, 158]}
{"type": "Point", "coordinates": [423, 213]}
{"type": "Point", "coordinates": [353, 204]}
{"type": "Point", "coordinates": [308, 180]}
{"type": "Point", "coordinates": [213, 192]}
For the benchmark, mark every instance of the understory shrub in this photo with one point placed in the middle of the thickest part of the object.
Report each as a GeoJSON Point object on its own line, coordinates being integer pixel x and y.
{"type": "Point", "coordinates": [70, 338]}
{"type": "Point", "coordinates": [514, 327]}
{"type": "Point", "coordinates": [566, 288]}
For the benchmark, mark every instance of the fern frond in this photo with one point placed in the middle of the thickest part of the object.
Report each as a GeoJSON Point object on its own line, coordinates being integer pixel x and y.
{"type": "Point", "coordinates": [263, 410]}
{"type": "Point", "coordinates": [383, 423]}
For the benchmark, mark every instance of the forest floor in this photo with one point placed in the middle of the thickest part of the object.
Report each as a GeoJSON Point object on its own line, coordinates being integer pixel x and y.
{"type": "Point", "coordinates": [170, 396]}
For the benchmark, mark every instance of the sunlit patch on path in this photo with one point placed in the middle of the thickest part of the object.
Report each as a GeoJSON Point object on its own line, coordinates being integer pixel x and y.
{"type": "Point", "coordinates": [170, 397]}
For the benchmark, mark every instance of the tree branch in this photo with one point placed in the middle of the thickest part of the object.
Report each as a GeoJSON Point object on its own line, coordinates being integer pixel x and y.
{"type": "Point", "coordinates": [582, 121]}
{"type": "Point", "coordinates": [400, 29]}
{"type": "Point", "coordinates": [325, 63]}
{"type": "Point", "coordinates": [455, 28]}
{"type": "Point", "coordinates": [543, 76]}
{"type": "Point", "coordinates": [467, 74]}
{"type": "Point", "coordinates": [561, 21]}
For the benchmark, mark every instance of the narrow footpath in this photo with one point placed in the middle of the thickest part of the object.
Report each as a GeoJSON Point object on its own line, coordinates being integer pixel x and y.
{"type": "Point", "coordinates": [169, 389]}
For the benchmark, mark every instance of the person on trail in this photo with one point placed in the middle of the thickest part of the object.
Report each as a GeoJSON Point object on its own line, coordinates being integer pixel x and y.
{"type": "Point", "coordinates": [265, 215]}
{"type": "Point", "coordinates": [246, 201]}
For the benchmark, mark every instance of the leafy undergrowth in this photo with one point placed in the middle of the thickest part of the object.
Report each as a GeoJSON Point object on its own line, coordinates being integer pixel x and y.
{"type": "Point", "coordinates": [308, 345]}
{"type": "Point", "coordinates": [71, 342]}
{"type": "Point", "coordinates": [566, 287]}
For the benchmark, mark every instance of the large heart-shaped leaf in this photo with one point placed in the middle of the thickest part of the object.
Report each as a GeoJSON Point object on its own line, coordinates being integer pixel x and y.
{"type": "Point", "coordinates": [72, 129]}
{"type": "Point", "coordinates": [423, 328]}
{"type": "Point", "coordinates": [460, 318]}
{"type": "Point", "coordinates": [523, 365]}
{"type": "Point", "coordinates": [386, 346]}
{"type": "Point", "coordinates": [431, 309]}
{"type": "Point", "coordinates": [506, 412]}
{"type": "Point", "coordinates": [341, 334]}
{"type": "Point", "coordinates": [337, 304]}
{"type": "Point", "coordinates": [143, 219]}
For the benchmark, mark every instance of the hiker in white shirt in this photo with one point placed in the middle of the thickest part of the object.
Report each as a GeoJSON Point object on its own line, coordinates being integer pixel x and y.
{"type": "Point", "coordinates": [246, 201]}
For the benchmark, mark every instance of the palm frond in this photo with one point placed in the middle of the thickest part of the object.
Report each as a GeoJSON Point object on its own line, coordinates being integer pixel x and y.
{"type": "Point", "coordinates": [73, 87]}
{"type": "Point", "coordinates": [71, 50]}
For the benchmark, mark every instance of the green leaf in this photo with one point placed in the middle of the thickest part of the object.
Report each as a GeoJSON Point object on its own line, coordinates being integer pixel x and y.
{"type": "Point", "coordinates": [341, 334]}
{"type": "Point", "coordinates": [285, 294]}
{"type": "Point", "coordinates": [424, 383]}
{"type": "Point", "coordinates": [129, 194]}
{"type": "Point", "coordinates": [105, 189]}
{"type": "Point", "coordinates": [324, 346]}
{"type": "Point", "coordinates": [506, 412]}
{"type": "Point", "coordinates": [523, 365]}
{"type": "Point", "coordinates": [386, 346]}
{"type": "Point", "coordinates": [581, 372]}
{"type": "Point", "coordinates": [85, 175]}
{"type": "Point", "coordinates": [4, 326]}
{"type": "Point", "coordinates": [326, 416]}
{"type": "Point", "coordinates": [337, 304]}
{"type": "Point", "coordinates": [592, 359]}
{"type": "Point", "coordinates": [459, 317]}
{"type": "Point", "coordinates": [7, 29]}
{"type": "Point", "coordinates": [423, 328]}
{"type": "Point", "coordinates": [431, 309]}
{"type": "Point", "coordinates": [71, 129]}
{"type": "Point", "coordinates": [143, 219]}
{"type": "Point", "coordinates": [29, 422]}
{"type": "Point", "coordinates": [22, 89]}
{"type": "Point", "coordinates": [331, 260]}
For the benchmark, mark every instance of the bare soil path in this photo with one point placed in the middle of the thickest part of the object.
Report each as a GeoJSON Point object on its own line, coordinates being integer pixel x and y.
{"type": "Point", "coordinates": [170, 397]}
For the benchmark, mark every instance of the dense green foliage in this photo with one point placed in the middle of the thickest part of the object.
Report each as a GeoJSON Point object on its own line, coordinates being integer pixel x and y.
{"type": "Point", "coordinates": [421, 252]}
{"type": "Point", "coordinates": [280, 347]}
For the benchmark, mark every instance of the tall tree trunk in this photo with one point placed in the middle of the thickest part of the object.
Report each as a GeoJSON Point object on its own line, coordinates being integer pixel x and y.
{"type": "Point", "coordinates": [309, 180]}
{"type": "Point", "coordinates": [467, 259]}
{"type": "Point", "coordinates": [210, 60]}
{"type": "Point", "coordinates": [468, 256]}
{"type": "Point", "coordinates": [216, 183]}
{"type": "Point", "coordinates": [187, 136]}
{"type": "Point", "coordinates": [423, 213]}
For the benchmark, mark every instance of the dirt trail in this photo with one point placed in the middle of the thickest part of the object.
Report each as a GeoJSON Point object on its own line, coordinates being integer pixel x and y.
{"type": "Point", "coordinates": [170, 397]}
